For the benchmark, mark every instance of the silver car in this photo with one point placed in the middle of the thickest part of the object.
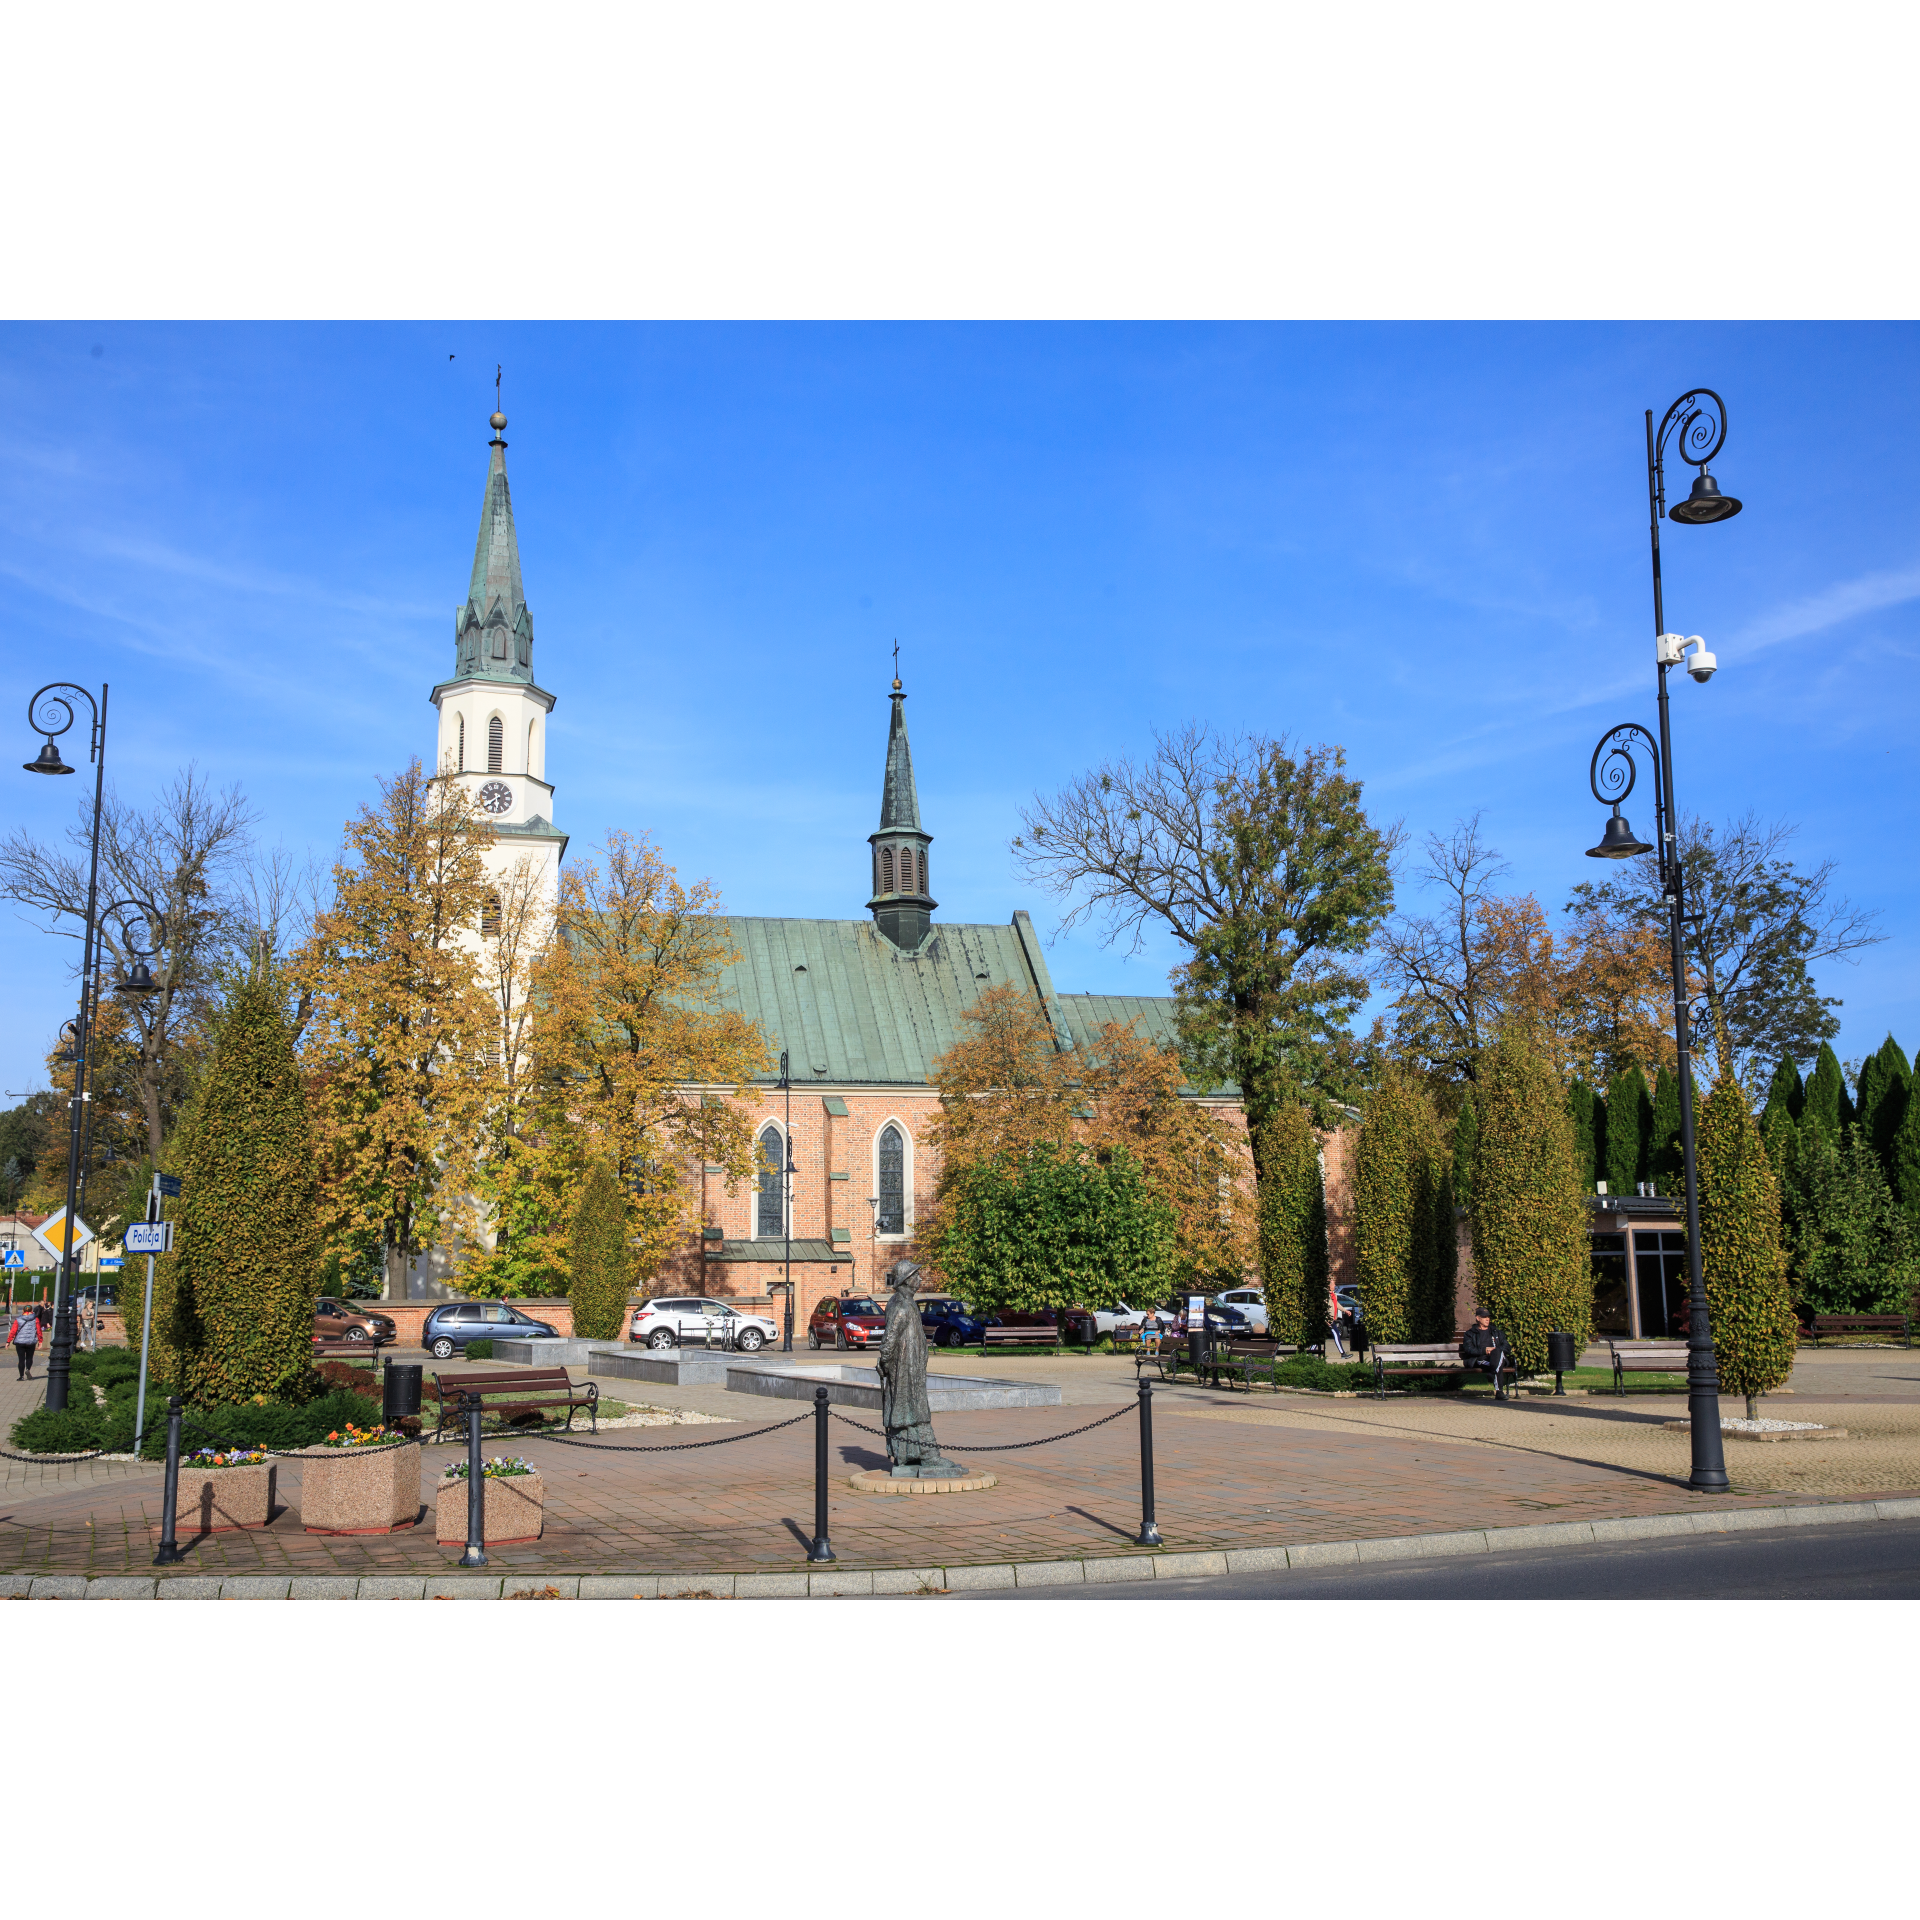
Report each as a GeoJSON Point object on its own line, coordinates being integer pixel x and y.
{"type": "Point", "coordinates": [675, 1322]}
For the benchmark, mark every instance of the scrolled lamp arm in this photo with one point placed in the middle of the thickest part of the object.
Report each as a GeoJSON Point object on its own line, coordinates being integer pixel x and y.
{"type": "Point", "coordinates": [50, 713]}
{"type": "Point", "coordinates": [1697, 431]}
{"type": "Point", "coordinates": [1613, 773]}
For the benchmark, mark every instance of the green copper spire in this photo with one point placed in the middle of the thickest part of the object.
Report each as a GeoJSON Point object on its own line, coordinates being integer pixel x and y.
{"type": "Point", "coordinates": [493, 632]}
{"type": "Point", "coordinates": [903, 903]}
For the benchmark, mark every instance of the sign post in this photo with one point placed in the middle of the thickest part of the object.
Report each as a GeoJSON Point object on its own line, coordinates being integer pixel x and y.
{"type": "Point", "coordinates": [150, 1237]}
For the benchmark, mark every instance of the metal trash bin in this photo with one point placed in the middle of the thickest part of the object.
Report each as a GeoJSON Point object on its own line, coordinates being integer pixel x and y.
{"type": "Point", "coordinates": [1563, 1355]}
{"type": "Point", "coordinates": [400, 1393]}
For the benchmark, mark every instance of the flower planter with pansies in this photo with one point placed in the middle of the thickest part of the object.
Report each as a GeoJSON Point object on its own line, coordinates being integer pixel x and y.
{"type": "Point", "coordinates": [515, 1504]}
{"type": "Point", "coordinates": [222, 1491]}
{"type": "Point", "coordinates": [360, 1480]}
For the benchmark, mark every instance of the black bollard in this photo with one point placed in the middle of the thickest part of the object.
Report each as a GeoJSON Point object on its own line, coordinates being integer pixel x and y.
{"type": "Point", "coordinates": [170, 1554]}
{"type": "Point", "coordinates": [822, 1548]}
{"type": "Point", "coordinates": [1149, 1535]}
{"type": "Point", "coordinates": [476, 1553]}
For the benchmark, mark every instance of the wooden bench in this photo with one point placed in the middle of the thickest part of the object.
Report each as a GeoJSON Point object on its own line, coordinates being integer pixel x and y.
{"type": "Point", "coordinates": [337, 1346]}
{"type": "Point", "coordinates": [1243, 1357]}
{"type": "Point", "coordinates": [523, 1390]}
{"type": "Point", "coordinates": [1645, 1356]}
{"type": "Point", "coordinates": [1167, 1353]}
{"type": "Point", "coordinates": [1019, 1337]}
{"type": "Point", "coordinates": [1437, 1357]}
{"type": "Point", "coordinates": [1826, 1325]}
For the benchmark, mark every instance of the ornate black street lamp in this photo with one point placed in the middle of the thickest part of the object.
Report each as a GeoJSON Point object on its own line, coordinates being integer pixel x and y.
{"type": "Point", "coordinates": [1697, 423]}
{"type": "Point", "coordinates": [51, 713]}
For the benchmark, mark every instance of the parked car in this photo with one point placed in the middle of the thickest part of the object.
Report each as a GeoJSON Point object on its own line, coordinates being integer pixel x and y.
{"type": "Point", "coordinates": [1111, 1319]}
{"type": "Point", "coordinates": [949, 1322]}
{"type": "Point", "coordinates": [668, 1323]}
{"type": "Point", "coordinates": [1224, 1323]}
{"type": "Point", "coordinates": [852, 1320]}
{"type": "Point", "coordinates": [336, 1320]}
{"type": "Point", "coordinates": [1250, 1301]}
{"type": "Point", "coordinates": [450, 1328]}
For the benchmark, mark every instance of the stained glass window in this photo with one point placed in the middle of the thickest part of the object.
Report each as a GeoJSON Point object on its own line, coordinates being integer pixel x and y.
{"type": "Point", "coordinates": [769, 1220]}
{"type": "Point", "coordinates": [892, 1214]}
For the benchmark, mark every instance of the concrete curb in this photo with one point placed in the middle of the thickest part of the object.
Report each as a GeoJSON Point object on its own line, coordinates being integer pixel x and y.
{"type": "Point", "coordinates": [837, 1583]}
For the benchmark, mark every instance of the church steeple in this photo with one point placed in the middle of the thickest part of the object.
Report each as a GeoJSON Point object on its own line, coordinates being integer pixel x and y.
{"type": "Point", "coordinates": [903, 903]}
{"type": "Point", "coordinates": [493, 632]}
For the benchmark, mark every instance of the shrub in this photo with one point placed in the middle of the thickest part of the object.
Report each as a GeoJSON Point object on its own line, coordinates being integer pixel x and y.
{"type": "Point", "coordinates": [1293, 1230]}
{"type": "Point", "coordinates": [73, 1429]}
{"type": "Point", "coordinates": [478, 1350]}
{"type": "Point", "coordinates": [1324, 1376]}
{"type": "Point", "coordinates": [1748, 1307]}
{"type": "Point", "coordinates": [233, 1307]}
{"type": "Point", "coordinates": [1854, 1248]}
{"type": "Point", "coordinates": [337, 1377]}
{"type": "Point", "coordinates": [1531, 1264]}
{"type": "Point", "coordinates": [597, 1258]}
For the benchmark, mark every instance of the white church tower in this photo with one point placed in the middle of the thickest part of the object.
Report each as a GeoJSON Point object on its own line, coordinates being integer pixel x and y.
{"type": "Point", "coordinates": [493, 717]}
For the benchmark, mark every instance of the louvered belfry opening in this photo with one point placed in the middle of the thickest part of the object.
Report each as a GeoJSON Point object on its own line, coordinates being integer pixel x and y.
{"type": "Point", "coordinates": [496, 744]}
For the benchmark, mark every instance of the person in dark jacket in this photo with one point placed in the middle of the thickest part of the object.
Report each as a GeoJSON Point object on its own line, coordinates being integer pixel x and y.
{"type": "Point", "coordinates": [1485, 1350]}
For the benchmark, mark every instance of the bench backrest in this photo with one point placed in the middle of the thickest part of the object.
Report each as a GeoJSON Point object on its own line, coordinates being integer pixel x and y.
{"type": "Point", "coordinates": [543, 1379]}
{"type": "Point", "coordinates": [1840, 1322]}
{"type": "Point", "coordinates": [1618, 1347]}
{"type": "Point", "coordinates": [1426, 1352]}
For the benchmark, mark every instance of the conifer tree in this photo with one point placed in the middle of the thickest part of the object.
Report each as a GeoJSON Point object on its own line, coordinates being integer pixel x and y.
{"type": "Point", "coordinates": [1466, 1135]}
{"type": "Point", "coordinates": [1530, 1254]}
{"type": "Point", "coordinates": [1885, 1082]}
{"type": "Point", "coordinates": [1745, 1267]}
{"type": "Point", "coordinates": [1785, 1095]}
{"type": "Point", "coordinates": [233, 1304]}
{"type": "Point", "coordinates": [597, 1258]}
{"type": "Point", "coordinates": [1903, 1161]}
{"type": "Point", "coordinates": [1629, 1130]}
{"type": "Point", "coordinates": [1666, 1163]}
{"type": "Point", "coordinates": [1828, 1109]}
{"type": "Point", "coordinates": [1442, 1269]}
{"type": "Point", "coordinates": [1580, 1110]}
{"type": "Point", "coordinates": [1293, 1231]}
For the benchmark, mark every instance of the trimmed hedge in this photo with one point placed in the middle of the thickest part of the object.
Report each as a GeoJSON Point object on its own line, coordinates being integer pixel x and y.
{"type": "Point", "coordinates": [1401, 1186]}
{"type": "Point", "coordinates": [1748, 1305]}
{"type": "Point", "coordinates": [1532, 1268]}
{"type": "Point", "coordinates": [1293, 1230]}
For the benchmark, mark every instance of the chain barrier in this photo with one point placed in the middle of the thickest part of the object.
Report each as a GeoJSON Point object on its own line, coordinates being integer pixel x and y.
{"type": "Point", "coordinates": [1011, 1446]}
{"type": "Point", "coordinates": [593, 1445]}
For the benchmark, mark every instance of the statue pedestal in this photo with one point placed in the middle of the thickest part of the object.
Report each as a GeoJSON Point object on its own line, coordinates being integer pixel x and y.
{"type": "Point", "coordinates": [881, 1480]}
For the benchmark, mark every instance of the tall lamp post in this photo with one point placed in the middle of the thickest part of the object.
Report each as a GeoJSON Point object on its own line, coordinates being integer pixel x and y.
{"type": "Point", "coordinates": [1697, 425]}
{"type": "Point", "coordinates": [51, 713]}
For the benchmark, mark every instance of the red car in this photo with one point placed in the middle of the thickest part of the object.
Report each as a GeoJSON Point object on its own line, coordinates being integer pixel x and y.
{"type": "Point", "coordinates": [850, 1321]}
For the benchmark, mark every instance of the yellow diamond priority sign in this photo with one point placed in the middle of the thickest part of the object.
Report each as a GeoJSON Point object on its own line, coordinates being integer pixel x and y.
{"type": "Point", "coordinates": [52, 1233]}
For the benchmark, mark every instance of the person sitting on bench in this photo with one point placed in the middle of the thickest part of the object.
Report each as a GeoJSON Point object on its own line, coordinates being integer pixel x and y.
{"type": "Point", "coordinates": [1485, 1350]}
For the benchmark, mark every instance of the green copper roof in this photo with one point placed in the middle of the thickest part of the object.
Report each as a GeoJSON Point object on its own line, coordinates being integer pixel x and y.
{"type": "Point", "coordinates": [493, 631]}
{"type": "Point", "coordinates": [899, 801]}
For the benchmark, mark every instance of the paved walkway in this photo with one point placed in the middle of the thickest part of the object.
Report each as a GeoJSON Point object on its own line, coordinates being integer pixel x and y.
{"type": "Point", "coordinates": [1232, 1471]}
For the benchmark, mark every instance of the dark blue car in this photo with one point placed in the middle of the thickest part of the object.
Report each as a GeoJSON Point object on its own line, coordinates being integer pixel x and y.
{"type": "Point", "coordinates": [950, 1323]}
{"type": "Point", "coordinates": [450, 1328]}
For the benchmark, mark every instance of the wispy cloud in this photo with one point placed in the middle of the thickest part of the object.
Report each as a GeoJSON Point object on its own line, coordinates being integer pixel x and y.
{"type": "Point", "coordinates": [1846, 600]}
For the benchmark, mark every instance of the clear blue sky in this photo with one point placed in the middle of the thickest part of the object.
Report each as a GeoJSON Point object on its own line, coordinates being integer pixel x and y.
{"type": "Point", "coordinates": [1425, 542]}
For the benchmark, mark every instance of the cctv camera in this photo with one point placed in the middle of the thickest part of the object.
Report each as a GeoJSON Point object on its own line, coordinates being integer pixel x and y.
{"type": "Point", "coordinates": [1702, 666]}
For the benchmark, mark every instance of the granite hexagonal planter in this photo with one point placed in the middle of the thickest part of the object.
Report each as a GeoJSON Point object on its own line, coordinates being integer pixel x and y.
{"type": "Point", "coordinates": [515, 1510]}
{"type": "Point", "coordinates": [224, 1499]}
{"type": "Point", "coordinates": [359, 1489]}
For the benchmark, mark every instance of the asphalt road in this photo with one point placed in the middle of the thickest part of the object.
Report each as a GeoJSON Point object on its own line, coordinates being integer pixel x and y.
{"type": "Point", "coordinates": [1877, 1560]}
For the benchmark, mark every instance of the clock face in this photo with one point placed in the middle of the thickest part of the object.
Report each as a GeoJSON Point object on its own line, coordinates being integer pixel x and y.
{"type": "Point", "coordinates": [496, 796]}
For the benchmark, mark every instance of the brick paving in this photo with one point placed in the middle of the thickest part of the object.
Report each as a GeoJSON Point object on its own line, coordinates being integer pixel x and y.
{"type": "Point", "coordinates": [1231, 1471]}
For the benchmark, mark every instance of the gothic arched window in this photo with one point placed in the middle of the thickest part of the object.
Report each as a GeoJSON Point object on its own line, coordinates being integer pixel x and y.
{"type": "Point", "coordinates": [886, 869]}
{"type": "Point", "coordinates": [891, 1216]}
{"type": "Point", "coordinates": [769, 1221]}
{"type": "Point", "coordinates": [522, 650]}
{"type": "Point", "coordinates": [496, 744]}
{"type": "Point", "coordinates": [460, 751]}
{"type": "Point", "coordinates": [499, 643]}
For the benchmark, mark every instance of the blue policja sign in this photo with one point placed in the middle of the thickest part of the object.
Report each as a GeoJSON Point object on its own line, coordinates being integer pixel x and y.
{"type": "Point", "coordinates": [150, 1236]}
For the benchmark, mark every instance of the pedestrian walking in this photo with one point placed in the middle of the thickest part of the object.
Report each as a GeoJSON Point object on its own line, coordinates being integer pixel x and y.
{"type": "Point", "coordinates": [25, 1335]}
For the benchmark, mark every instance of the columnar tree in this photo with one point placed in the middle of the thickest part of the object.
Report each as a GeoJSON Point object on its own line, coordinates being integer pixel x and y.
{"type": "Point", "coordinates": [233, 1304]}
{"type": "Point", "coordinates": [1828, 1110]}
{"type": "Point", "coordinates": [1666, 1164]}
{"type": "Point", "coordinates": [1531, 1264]}
{"type": "Point", "coordinates": [1854, 1247]}
{"type": "Point", "coordinates": [1745, 1267]}
{"type": "Point", "coordinates": [1398, 1170]}
{"type": "Point", "coordinates": [1885, 1086]}
{"type": "Point", "coordinates": [597, 1258]}
{"type": "Point", "coordinates": [1580, 1111]}
{"type": "Point", "coordinates": [1903, 1162]}
{"type": "Point", "coordinates": [1466, 1147]}
{"type": "Point", "coordinates": [1293, 1231]}
{"type": "Point", "coordinates": [1786, 1094]}
{"type": "Point", "coordinates": [1629, 1130]}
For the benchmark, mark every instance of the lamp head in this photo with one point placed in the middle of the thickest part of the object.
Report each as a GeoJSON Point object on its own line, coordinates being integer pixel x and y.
{"type": "Point", "coordinates": [1705, 504]}
{"type": "Point", "coordinates": [138, 982]}
{"type": "Point", "coordinates": [48, 762]}
{"type": "Point", "coordinates": [1618, 842]}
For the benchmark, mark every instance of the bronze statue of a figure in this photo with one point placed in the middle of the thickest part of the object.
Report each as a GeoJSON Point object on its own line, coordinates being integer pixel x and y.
{"type": "Point", "coordinates": [911, 1447]}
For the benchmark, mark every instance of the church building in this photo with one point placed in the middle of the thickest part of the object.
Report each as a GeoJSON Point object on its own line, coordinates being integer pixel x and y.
{"type": "Point", "coordinates": [858, 1009]}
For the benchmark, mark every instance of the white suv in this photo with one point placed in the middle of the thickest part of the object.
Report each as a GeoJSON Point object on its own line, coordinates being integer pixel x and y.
{"type": "Point", "coordinates": [671, 1323]}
